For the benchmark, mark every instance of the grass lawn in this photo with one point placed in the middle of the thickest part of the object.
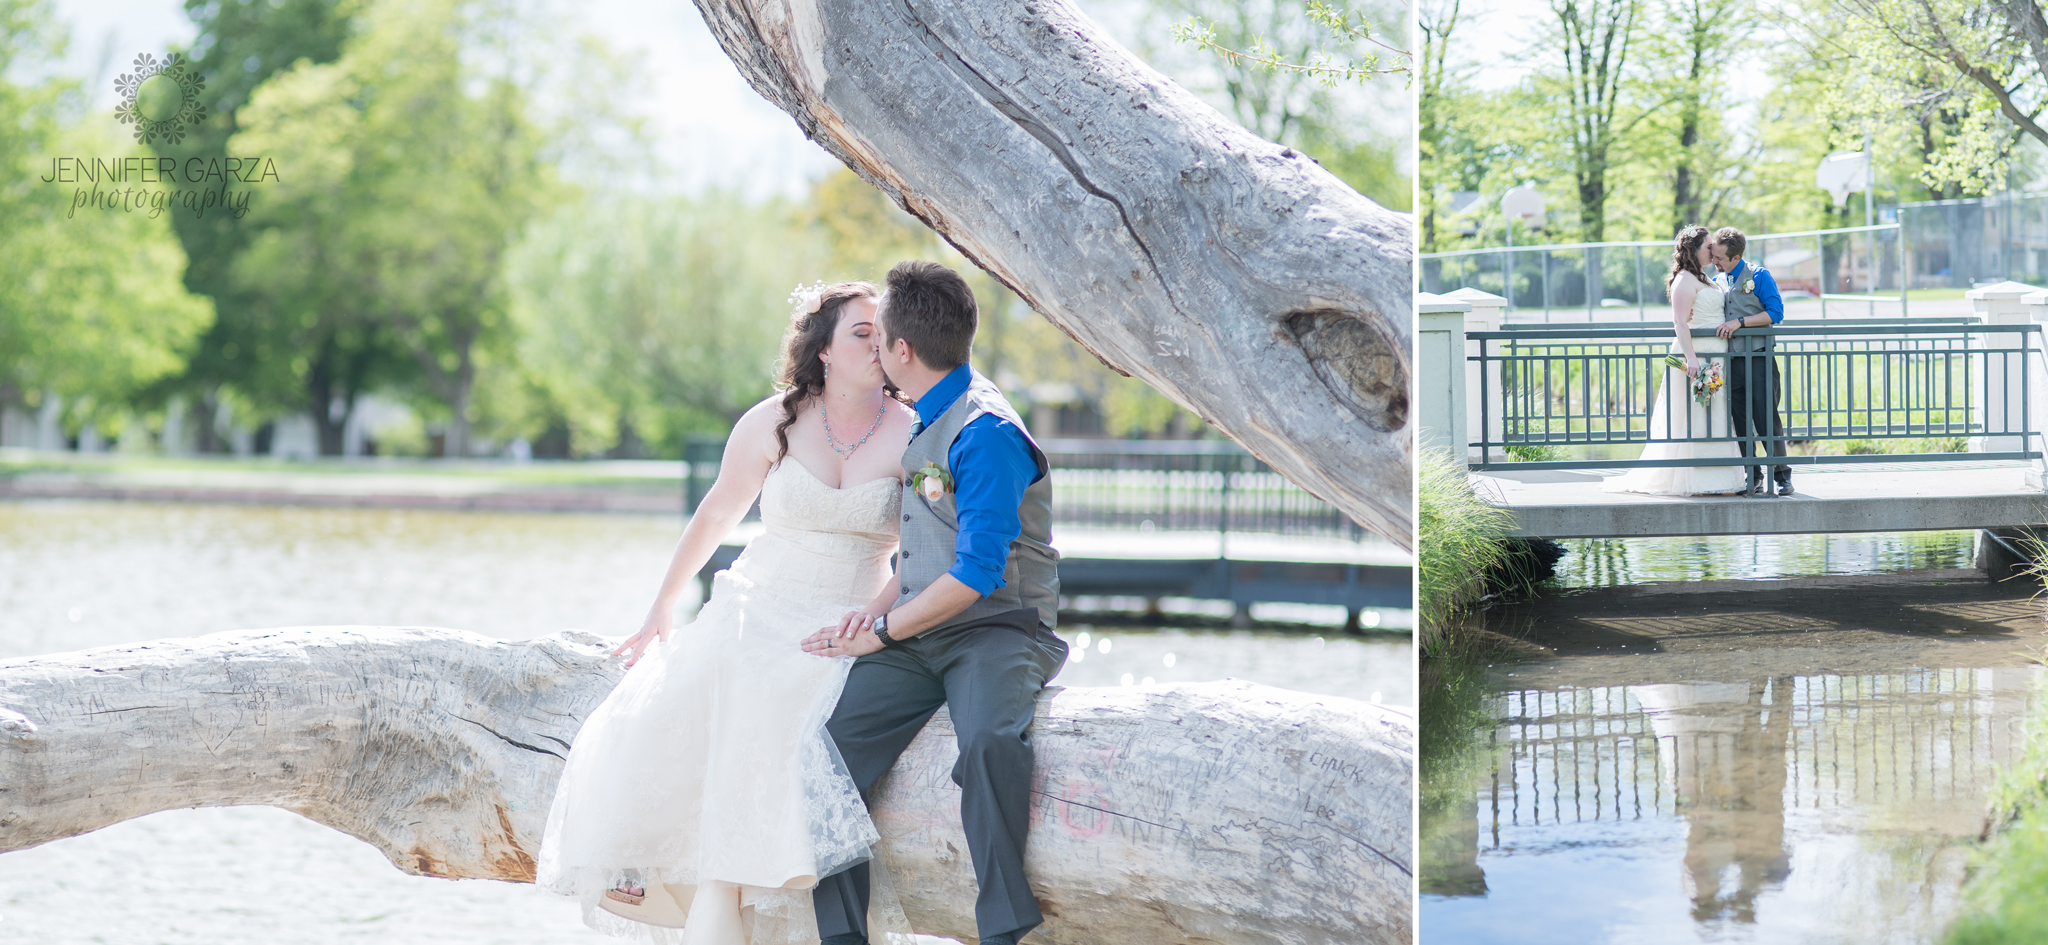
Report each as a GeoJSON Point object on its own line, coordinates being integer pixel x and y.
{"type": "Point", "coordinates": [542, 472]}
{"type": "Point", "coordinates": [1935, 295]}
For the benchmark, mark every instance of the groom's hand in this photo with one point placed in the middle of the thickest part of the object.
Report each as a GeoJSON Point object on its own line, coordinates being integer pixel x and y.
{"type": "Point", "coordinates": [1727, 329]}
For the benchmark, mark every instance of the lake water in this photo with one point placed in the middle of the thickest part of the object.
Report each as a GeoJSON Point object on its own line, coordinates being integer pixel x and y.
{"type": "Point", "coordinates": [1786, 741]}
{"type": "Point", "coordinates": [84, 574]}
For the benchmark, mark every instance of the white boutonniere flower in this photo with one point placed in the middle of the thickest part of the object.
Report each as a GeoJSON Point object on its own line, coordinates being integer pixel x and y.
{"type": "Point", "coordinates": [932, 482]}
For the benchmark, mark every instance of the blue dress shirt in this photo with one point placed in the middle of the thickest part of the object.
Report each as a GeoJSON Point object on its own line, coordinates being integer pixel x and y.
{"type": "Point", "coordinates": [1766, 290]}
{"type": "Point", "coordinates": [992, 466]}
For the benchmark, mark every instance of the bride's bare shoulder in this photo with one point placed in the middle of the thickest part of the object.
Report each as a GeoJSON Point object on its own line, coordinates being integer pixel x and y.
{"type": "Point", "coordinates": [769, 406]}
{"type": "Point", "coordinates": [757, 425]}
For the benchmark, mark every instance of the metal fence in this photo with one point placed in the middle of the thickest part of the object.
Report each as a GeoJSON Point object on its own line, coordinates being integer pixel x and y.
{"type": "Point", "coordinates": [1851, 271]}
{"type": "Point", "coordinates": [1545, 388]}
{"type": "Point", "coordinates": [1143, 485]}
{"type": "Point", "coordinates": [1961, 243]}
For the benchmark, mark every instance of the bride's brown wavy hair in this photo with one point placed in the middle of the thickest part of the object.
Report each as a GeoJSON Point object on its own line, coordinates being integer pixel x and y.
{"type": "Point", "coordinates": [1685, 257]}
{"type": "Point", "coordinates": [801, 376]}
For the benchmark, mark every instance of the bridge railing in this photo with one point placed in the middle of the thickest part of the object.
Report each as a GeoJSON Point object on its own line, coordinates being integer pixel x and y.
{"type": "Point", "coordinates": [1145, 486]}
{"type": "Point", "coordinates": [1869, 391]}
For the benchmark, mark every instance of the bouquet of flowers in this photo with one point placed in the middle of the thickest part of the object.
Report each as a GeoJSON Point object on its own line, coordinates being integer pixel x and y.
{"type": "Point", "coordinates": [1705, 383]}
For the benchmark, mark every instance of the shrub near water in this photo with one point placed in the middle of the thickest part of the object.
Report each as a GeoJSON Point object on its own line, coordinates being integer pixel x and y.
{"type": "Point", "coordinates": [1459, 537]}
{"type": "Point", "coordinates": [2002, 898]}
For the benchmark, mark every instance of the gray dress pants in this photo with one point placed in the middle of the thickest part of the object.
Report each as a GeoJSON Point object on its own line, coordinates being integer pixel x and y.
{"type": "Point", "coordinates": [1754, 391]}
{"type": "Point", "coordinates": [989, 673]}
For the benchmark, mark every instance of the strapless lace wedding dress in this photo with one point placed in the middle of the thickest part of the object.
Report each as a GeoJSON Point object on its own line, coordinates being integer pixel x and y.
{"type": "Point", "coordinates": [709, 761]}
{"type": "Point", "coordinates": [1674, 399]}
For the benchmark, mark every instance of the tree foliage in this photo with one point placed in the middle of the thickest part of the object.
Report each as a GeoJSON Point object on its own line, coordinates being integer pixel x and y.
{"type": "Point", "coordinates": [413, 172]}
{"type": "Point", "coordinates": [1649, 100]}
{"type": "Point", "coordinates": [462, 219]}
{"type": "Point", "coordinates": [1284, 68]}
{"type": "Point", "coordinates": [91, 309]}
{"type": "Point", "coordinates": [1967, 77]}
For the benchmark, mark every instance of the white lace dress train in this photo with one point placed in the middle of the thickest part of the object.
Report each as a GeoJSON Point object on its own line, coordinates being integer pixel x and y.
{"type": "Point", "coordinates": [709, 761]}
{"type": "Point", "coordinates": [1675, 400]}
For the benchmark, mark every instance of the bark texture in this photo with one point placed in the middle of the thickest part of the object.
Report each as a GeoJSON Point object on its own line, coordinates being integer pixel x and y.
{"type": "Point", "coordinates": [1220, 812]}
{"type": "Point", "coordinates": [1232, 274]}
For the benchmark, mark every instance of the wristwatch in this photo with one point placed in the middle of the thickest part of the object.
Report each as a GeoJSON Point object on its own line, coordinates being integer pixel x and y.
{"type": "Point", "coordinates": [881, 629]}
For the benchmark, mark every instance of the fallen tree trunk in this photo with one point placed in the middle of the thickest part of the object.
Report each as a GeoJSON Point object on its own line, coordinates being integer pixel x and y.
{"type": "Point", "coordinates": [1232, 274]}
{"type": "Point", "coordinates": [1222, 812]}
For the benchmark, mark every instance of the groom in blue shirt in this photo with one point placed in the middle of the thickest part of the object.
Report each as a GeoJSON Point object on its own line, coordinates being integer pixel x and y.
{"type": "Point", "coordinates": [968, 621]}
{"type": "Point", "coordinates": [1751, 300]}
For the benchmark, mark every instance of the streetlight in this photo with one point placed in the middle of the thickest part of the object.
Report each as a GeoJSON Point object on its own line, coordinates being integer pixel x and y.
{"type": "Point", "coordinates": [1523, 203]}
{"type": "Point", "coordinates": [1838, 174]}
{"type": "Point", "coordinates": [1845, 171]}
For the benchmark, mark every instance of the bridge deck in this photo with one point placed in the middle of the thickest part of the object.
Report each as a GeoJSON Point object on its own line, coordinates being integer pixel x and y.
{"type": "Point", "coordinates": [1879, 497]}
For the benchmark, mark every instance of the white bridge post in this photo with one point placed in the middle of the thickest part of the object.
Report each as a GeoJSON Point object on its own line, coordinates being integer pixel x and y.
{"type": "Point", "coordinates": [1487, 314]}
{"type": "Point", "coordinates": [1441, 385]}
{"type": "Point", "coordinates": [2003, 383]}
{"type": "Point", "coordinates": [2037, 312]}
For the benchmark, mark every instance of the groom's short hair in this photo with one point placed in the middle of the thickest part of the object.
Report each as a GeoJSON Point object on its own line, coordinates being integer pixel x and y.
{"type": "Point", "coordinates": [931, 307]}
{"type": "Point", "coordinates": [1731, 240]}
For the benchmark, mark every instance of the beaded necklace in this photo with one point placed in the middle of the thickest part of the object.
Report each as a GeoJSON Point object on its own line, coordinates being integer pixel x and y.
{"type": "Point", "coordinates": [834, 441]}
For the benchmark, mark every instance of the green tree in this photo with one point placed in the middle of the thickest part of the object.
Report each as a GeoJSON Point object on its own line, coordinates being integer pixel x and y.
{"type": "Point", "coordinates": [1437, 89]}
{"type": "Point", "coordinates": [1976, 67]}
{"type": "Point", "coordinates": [259, 353]}
{"type": "Point", "coordinates": [417, 169]}
{"type": "Point", "coordinates": [1594, 38]}
{"type": "Point", "coordinates": [90, 305]}
{"type": "Point", "coordinates": [1688, 59]}
{"type": "Point", "coordinates": [1279, 66]}
{"type": "Point", "coordinates": [642, 321]}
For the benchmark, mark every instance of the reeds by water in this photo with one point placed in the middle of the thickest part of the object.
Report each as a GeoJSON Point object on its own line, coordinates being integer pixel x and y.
{"type": "Point", "coordinates": [1461, 538]}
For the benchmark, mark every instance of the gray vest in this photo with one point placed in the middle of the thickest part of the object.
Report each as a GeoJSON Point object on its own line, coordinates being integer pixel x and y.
{"type": "Point", "coordinates": [1031, 576]}
{"type": "Point", "coordinates": [1740, 304]}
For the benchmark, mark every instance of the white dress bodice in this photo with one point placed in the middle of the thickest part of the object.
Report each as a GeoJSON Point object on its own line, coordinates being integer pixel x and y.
{"type": "Point", "coordinates": [1708, 308]}
{"type": "Point", "coordinates": [829, 544]}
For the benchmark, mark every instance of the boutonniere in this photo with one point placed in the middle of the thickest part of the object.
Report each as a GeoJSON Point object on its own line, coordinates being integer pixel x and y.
{"type": "Point", "coordinates": [932, 482]}
{"type": "Point", "coordinates": [1748, 285]}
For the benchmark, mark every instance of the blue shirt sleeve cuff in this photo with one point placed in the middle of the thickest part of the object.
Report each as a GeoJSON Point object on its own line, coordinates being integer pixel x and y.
{"type": "Point", "coordinates": [975, 578]}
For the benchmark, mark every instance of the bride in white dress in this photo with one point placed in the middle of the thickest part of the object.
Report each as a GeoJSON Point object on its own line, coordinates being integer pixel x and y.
{"type": "Point", "coordinates": [1695, 303]}
{"type": "Point", "coordinates": [702, 800]}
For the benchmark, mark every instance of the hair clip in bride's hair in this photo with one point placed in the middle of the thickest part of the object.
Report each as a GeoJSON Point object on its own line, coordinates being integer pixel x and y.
{"type": "Point", "coordinates": [808, 298]}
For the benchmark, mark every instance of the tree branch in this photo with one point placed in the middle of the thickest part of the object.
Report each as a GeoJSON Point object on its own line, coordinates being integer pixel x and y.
{"type": "Point", "coordinates": [1221, 812]}
{"type": "Point", "coordinates": [1168, 241]}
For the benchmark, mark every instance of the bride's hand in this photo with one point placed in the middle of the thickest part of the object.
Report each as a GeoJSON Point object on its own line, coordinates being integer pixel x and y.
{"type": "Point", "coordinates": [655, 628]}
{"type": "Point", "coordinates": [1693, 365]}
{"type": "Point", "coordinates": [853, 623]}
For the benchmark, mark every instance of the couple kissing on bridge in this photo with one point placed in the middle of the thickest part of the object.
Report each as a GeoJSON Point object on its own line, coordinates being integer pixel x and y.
{"type": "Point", "coordinates": [1721, 409]}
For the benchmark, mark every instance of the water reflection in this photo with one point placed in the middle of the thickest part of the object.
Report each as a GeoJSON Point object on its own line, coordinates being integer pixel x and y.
{"type": "Point", "coordinates": [1730, 776]}
{"type": "Point", "coordinates": [1612, 562]}
{"type": "Point", "coordinates": [1725, 811]}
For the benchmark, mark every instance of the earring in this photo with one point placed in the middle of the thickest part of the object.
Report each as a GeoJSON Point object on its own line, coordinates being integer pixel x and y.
{"type": "Point", "coordinates": [828, 370]}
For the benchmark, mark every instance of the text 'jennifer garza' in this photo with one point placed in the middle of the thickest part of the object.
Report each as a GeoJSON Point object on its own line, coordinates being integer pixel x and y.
{"type": "Point", "coordinates": [214, 174]}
